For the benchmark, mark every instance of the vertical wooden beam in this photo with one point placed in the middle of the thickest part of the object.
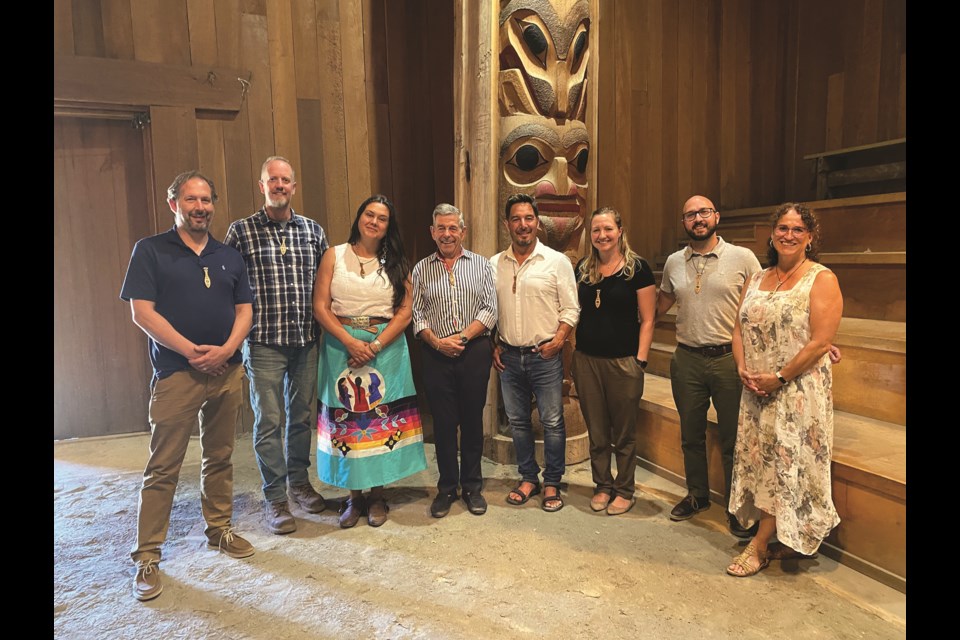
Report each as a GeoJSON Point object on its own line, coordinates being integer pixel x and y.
{"type": "Point", "coordinates": [893, 34]}
{"type": "Point", "coordinates": [153, 43]}
{"type": "Point", "coordinates": [834, 130]}
{"type": "Point", "coordinates": [305, 50]}
{"type": "Point", "coordinates": [593, 75]}
{"type": "Point", "coordinates": [792, 158]}
{"type": "Point", "coordinates": [690, 99]}
{"type": "Point", "coordinates": [227, 15]}
{"type": "Point", "coordinates": [283, 85]}
{"type": "Point", "coordinates": [338, 210]}
{"type": "Point", "coordinates": [663, 234]}
{"type": "Point", "coordinates": [211, 162]}
{"type": "Point", "coordinates": [378, 106]}
{"type": "Point", "coordinates": [63, 27]}
{"type": "Point", "coordinates": [117, 29]}
{"type": "Point", "coordinates": [310, 183]}
{"type": "Point", "coordinates": [605, 107]}
{"type": "Point", "coordinates": [862, 71]}
{"type": "Point", "coordinates": [475, 134]}
{"type": "Point", "coordinates": [902, 99]}
{"type": "Point", "coordinates": [354, 101]}
{"type": "Point", "coordinates": [173, 144]}
{"type": "Point", "coordinates": [87, 28]}
{"type": "Point", "coordinates": [253, 39]}
{"type": "Point", "coordinates": [625, 93]}
{"type": "Point", "coordinates": [202, 21]}
{"type": "Point", "coordinates": [729, 158]}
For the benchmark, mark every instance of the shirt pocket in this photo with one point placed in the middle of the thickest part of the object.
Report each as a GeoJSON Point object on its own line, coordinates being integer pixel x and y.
{"type": "Point", "coordinates": [539, 286]}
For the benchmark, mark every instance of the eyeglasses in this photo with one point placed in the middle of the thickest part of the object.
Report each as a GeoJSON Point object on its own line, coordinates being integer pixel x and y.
{"type": "Point", "coordinates": [706, 212]}
{"type": "Point", "coordinates": [783, 229]}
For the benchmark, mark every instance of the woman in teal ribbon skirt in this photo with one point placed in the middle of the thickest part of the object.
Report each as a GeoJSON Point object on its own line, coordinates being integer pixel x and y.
{"type": "Point", "coordinates": [369, 432]}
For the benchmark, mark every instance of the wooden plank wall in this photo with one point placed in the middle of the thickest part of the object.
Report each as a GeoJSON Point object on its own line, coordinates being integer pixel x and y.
{"type": "Point", "coordinates": [724, 97]}
{"type": "Point", "coordinates": [351, 91]}
{"type": "Point", "coordinates": [358, 94]}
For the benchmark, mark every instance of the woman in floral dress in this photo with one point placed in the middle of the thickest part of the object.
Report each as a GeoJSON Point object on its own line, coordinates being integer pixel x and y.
{"type": "Point", "coordinates": [788, 317]}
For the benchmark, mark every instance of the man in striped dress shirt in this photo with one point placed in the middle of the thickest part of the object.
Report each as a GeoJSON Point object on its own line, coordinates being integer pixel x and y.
{"type": "Point", "coordinates": [454, 308]}
{"type": "Point", "coordinates": [282, 251]}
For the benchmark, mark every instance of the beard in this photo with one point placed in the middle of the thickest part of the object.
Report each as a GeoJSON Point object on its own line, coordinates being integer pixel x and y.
{"type": "Point", "coordinates": [701, 230]}
{"type": "Point", "coordinates": [277, 200]}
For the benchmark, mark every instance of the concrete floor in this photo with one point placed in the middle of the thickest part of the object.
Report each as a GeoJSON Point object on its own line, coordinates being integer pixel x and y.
{"type": "Point", "coordinates": [516, 572]}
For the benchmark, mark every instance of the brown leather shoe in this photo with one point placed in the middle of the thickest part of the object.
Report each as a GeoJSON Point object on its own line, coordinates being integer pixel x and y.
{"type": "Point", "coordinates": [147, 584]}
{"type": "Point", "coordinates": [308, 498]}
{"type": "Point", "coordinates": [350, 511]}
{"type": "Point", "coordinates": [377, 512]}
{"type": "Point", "coordinates": [278, 518]}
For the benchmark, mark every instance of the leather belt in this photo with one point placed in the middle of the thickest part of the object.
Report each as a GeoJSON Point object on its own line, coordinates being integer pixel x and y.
{"type": "Point", "coordinates": [530, 349]}
{"type": "Point", "coordinates": [361, 322]}
{"type": "Point", "coordinates": [714, 351]}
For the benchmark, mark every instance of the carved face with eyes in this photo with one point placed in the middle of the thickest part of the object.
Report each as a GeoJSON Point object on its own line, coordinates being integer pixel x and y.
{"type": "Point", "coordinates": [548, 161]}
{"type": "Point", "coordinates": [544, 49]}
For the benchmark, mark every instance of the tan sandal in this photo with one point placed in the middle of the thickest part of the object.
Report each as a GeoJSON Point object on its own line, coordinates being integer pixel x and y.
{"type": "Point", "coordinates": [600, 501]}
{"type": "Point", "coordinates": [743, 562]}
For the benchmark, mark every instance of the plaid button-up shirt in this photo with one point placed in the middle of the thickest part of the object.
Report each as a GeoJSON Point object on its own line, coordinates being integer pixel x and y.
{"type": "Point", "coordinates": [282, 263]}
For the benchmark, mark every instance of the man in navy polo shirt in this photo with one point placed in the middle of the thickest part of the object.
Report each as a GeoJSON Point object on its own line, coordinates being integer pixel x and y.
{"type": "Point", "coordinates": [191, 296]}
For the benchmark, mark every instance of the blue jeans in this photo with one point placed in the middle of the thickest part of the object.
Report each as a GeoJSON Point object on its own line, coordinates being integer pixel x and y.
{"type": "Point", "coordinates": [525, 374]}
{"type": "Point", "coordinates": [285, 375]}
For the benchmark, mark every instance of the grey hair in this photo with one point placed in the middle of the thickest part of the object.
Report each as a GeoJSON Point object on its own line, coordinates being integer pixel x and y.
{"type": "Point", "coordinates": [263, 167]}
{"type": "Point", "coordinates": [444, 209]}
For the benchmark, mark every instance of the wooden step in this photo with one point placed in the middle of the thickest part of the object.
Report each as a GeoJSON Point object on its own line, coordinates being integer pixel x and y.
{"type": "Point", "coordinates": [868, 474]}
{"type": "Point", "coordinates": [870, 380]}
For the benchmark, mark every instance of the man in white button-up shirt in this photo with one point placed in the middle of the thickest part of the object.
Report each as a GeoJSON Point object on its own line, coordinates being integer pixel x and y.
{"type": "Point", "coordinates": [537, 301]}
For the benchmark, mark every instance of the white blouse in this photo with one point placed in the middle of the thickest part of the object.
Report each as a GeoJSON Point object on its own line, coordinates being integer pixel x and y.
{"type": "Point", "coordinates": [353, 295]}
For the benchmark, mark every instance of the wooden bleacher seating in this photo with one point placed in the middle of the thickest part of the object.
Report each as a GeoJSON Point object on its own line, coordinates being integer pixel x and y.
{"type": "Point", "coordinates": [864, 242]}
{"type": "Point", "coordinates": [880, 167]}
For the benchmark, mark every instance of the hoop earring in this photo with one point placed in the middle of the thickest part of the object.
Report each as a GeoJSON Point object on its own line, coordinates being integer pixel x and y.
{"type": "Point", "coordinates": [770, 242]}
{"type": "Point", "coordinates": [808, 247]}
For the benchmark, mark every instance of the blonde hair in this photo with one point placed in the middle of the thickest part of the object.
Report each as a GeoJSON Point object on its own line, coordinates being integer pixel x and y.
{"type": "Point", "coordinates": [589, 271]}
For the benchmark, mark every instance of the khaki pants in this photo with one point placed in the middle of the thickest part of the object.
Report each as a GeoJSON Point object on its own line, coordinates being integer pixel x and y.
{"type": "Point", "coordinates": [610, 391]}
{"type": "Point", "coordinates": [175, 404]}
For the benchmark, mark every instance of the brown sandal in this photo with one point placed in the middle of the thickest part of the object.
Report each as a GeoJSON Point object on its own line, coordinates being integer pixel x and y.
{"type": "Point", "coordinates": [600, 501]}
{"type": "Point", "coordinates": [743, 562]}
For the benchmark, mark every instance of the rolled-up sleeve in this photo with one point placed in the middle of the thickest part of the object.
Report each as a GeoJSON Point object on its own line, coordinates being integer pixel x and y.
{"type": "Point", "coordinates": [487, 311]}
{"type": "Point", "coordinates": [567, 293]}
{"type": "Point", "coordinates": [419, 316]}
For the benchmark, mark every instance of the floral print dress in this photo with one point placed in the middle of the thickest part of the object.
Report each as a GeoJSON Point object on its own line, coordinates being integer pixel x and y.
{"type": "Point", "coordinates": [784, 441]}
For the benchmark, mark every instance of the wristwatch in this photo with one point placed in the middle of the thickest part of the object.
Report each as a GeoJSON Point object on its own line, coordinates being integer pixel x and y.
{"type": "Point", "coordinates": [642, 363]}
{"type": "Point", "coordinates": [464, 339]}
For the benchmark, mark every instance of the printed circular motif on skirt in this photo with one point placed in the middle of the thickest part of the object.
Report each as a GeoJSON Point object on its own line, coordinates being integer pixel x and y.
{"type": "Point", "coordinates": [360, 389]}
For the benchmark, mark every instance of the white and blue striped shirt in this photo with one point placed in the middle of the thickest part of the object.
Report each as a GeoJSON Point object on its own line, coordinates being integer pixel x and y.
{"type": "Point", "coordinates": [446, 302]}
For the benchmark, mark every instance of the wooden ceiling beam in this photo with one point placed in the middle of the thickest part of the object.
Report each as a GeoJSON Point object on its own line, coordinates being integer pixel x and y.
{"type": "Point", "coordinates": [82, 81]}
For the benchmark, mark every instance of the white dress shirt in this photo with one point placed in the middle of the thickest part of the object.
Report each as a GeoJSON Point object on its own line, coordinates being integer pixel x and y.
{"type": "Point", "coordinates": [535, 297]}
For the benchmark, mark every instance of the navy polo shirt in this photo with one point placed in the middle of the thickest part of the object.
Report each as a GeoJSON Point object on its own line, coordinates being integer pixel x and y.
{"type": "Point", "coordinates": [167, 272]}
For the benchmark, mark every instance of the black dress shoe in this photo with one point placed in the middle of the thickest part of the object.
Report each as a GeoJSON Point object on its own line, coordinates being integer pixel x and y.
{"type": "Point", "coordinates": [476, 503]}
{"type": "Point", "coordinates": [739, 531]}
{"type": "Point", "coordinates": [441, 504]}
{"type": "Point", "coordinates": [689, 506]}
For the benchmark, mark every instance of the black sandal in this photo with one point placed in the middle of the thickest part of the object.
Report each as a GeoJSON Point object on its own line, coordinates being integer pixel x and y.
{"type": "Point", "coordinates": [526, 496]}
{"type": "Point", "coordinates": [554, 498]}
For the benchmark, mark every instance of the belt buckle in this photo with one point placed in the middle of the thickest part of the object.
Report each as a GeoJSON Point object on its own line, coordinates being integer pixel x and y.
{"type": "Point", "coordinates": [360, 322]}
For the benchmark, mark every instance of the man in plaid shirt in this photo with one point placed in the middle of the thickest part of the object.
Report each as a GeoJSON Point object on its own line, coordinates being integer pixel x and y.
{"type": "Point", "coordinates": [282, 252]}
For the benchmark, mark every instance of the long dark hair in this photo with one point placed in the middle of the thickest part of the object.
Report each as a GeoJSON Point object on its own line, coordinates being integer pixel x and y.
{"type": "Point", "coordinates": [809, 221]}
{"type": "Point", "coordinates": [390, 253]}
